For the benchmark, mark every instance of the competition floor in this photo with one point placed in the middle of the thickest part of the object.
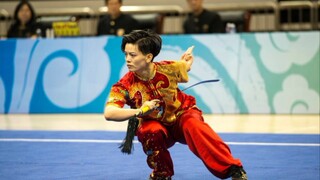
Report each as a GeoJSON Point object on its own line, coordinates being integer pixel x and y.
{"type": "Point", "coordinates": [85, 146]}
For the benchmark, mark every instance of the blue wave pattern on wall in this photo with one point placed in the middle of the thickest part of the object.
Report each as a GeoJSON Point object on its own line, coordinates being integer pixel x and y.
{"type": "Point", "coordinates": [45, 105]}
{"type": "Point", "coordinates": [259, 73]}
{"type": "Point", "coordinates": [7, 54]}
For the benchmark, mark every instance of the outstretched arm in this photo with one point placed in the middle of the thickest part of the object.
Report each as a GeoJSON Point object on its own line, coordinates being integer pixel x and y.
{"type": "Point", "coordinates": [113, 113]}
{"type": "Point", "coordinates": [187, 57]}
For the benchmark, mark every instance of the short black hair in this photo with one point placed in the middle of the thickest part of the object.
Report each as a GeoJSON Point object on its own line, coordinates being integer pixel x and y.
{"type": "Point", "coordinates": [146, 40]}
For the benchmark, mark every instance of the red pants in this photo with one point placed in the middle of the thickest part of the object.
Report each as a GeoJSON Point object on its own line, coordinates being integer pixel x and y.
{"type": "Point", "coordinates": [189, 129]}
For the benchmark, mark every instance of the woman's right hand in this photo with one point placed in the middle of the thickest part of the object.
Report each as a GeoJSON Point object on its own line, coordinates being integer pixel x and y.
{"type": "Point", "coordinates": [148, 106]}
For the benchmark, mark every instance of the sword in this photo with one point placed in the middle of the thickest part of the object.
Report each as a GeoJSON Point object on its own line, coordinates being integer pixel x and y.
{"type": "Point", "coordinates": [201, 82]}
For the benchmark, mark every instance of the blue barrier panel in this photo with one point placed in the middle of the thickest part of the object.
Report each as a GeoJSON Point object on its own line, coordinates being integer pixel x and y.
{"type": "Point", "coordinates": [273, 73]}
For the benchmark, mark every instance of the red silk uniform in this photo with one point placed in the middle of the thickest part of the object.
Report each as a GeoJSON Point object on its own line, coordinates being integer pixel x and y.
{"type": "Point", "coordinates": [177, 119]}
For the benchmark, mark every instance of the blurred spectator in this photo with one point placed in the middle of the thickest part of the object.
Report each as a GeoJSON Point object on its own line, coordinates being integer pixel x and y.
{"type": "Point", "coordinates": [116, 22]}
{"type": "Point", "coordinates": [24, 25]}
{"type": "Point", "coordinates": [201, 20]}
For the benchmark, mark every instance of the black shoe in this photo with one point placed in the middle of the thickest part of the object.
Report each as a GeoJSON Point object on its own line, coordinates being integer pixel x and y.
{"type": "Point", "coordinates": [152, 177]}
{"type": "Point", "coordinates": [237, 173]}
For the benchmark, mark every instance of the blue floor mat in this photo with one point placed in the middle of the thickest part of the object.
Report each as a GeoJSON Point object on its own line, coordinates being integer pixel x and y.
{"type": "Point", "coordinates": [297, 157]}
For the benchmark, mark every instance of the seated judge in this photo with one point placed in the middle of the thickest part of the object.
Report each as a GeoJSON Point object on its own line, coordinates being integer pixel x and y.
{"type": "Point", "coordinates": [24, 24]}
{"type": "Point", "coordinates": [201, 20]}
{"type": "Point", "coordinates": [115, 22]}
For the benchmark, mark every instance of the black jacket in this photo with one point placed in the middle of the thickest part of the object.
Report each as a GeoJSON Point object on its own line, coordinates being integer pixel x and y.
{"type": "Point", "coordinates": [206, 22]}
{"type": "Point", "coordinates": [124, 23]}
{"type": "Point", "coordinates": [16, 32]}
